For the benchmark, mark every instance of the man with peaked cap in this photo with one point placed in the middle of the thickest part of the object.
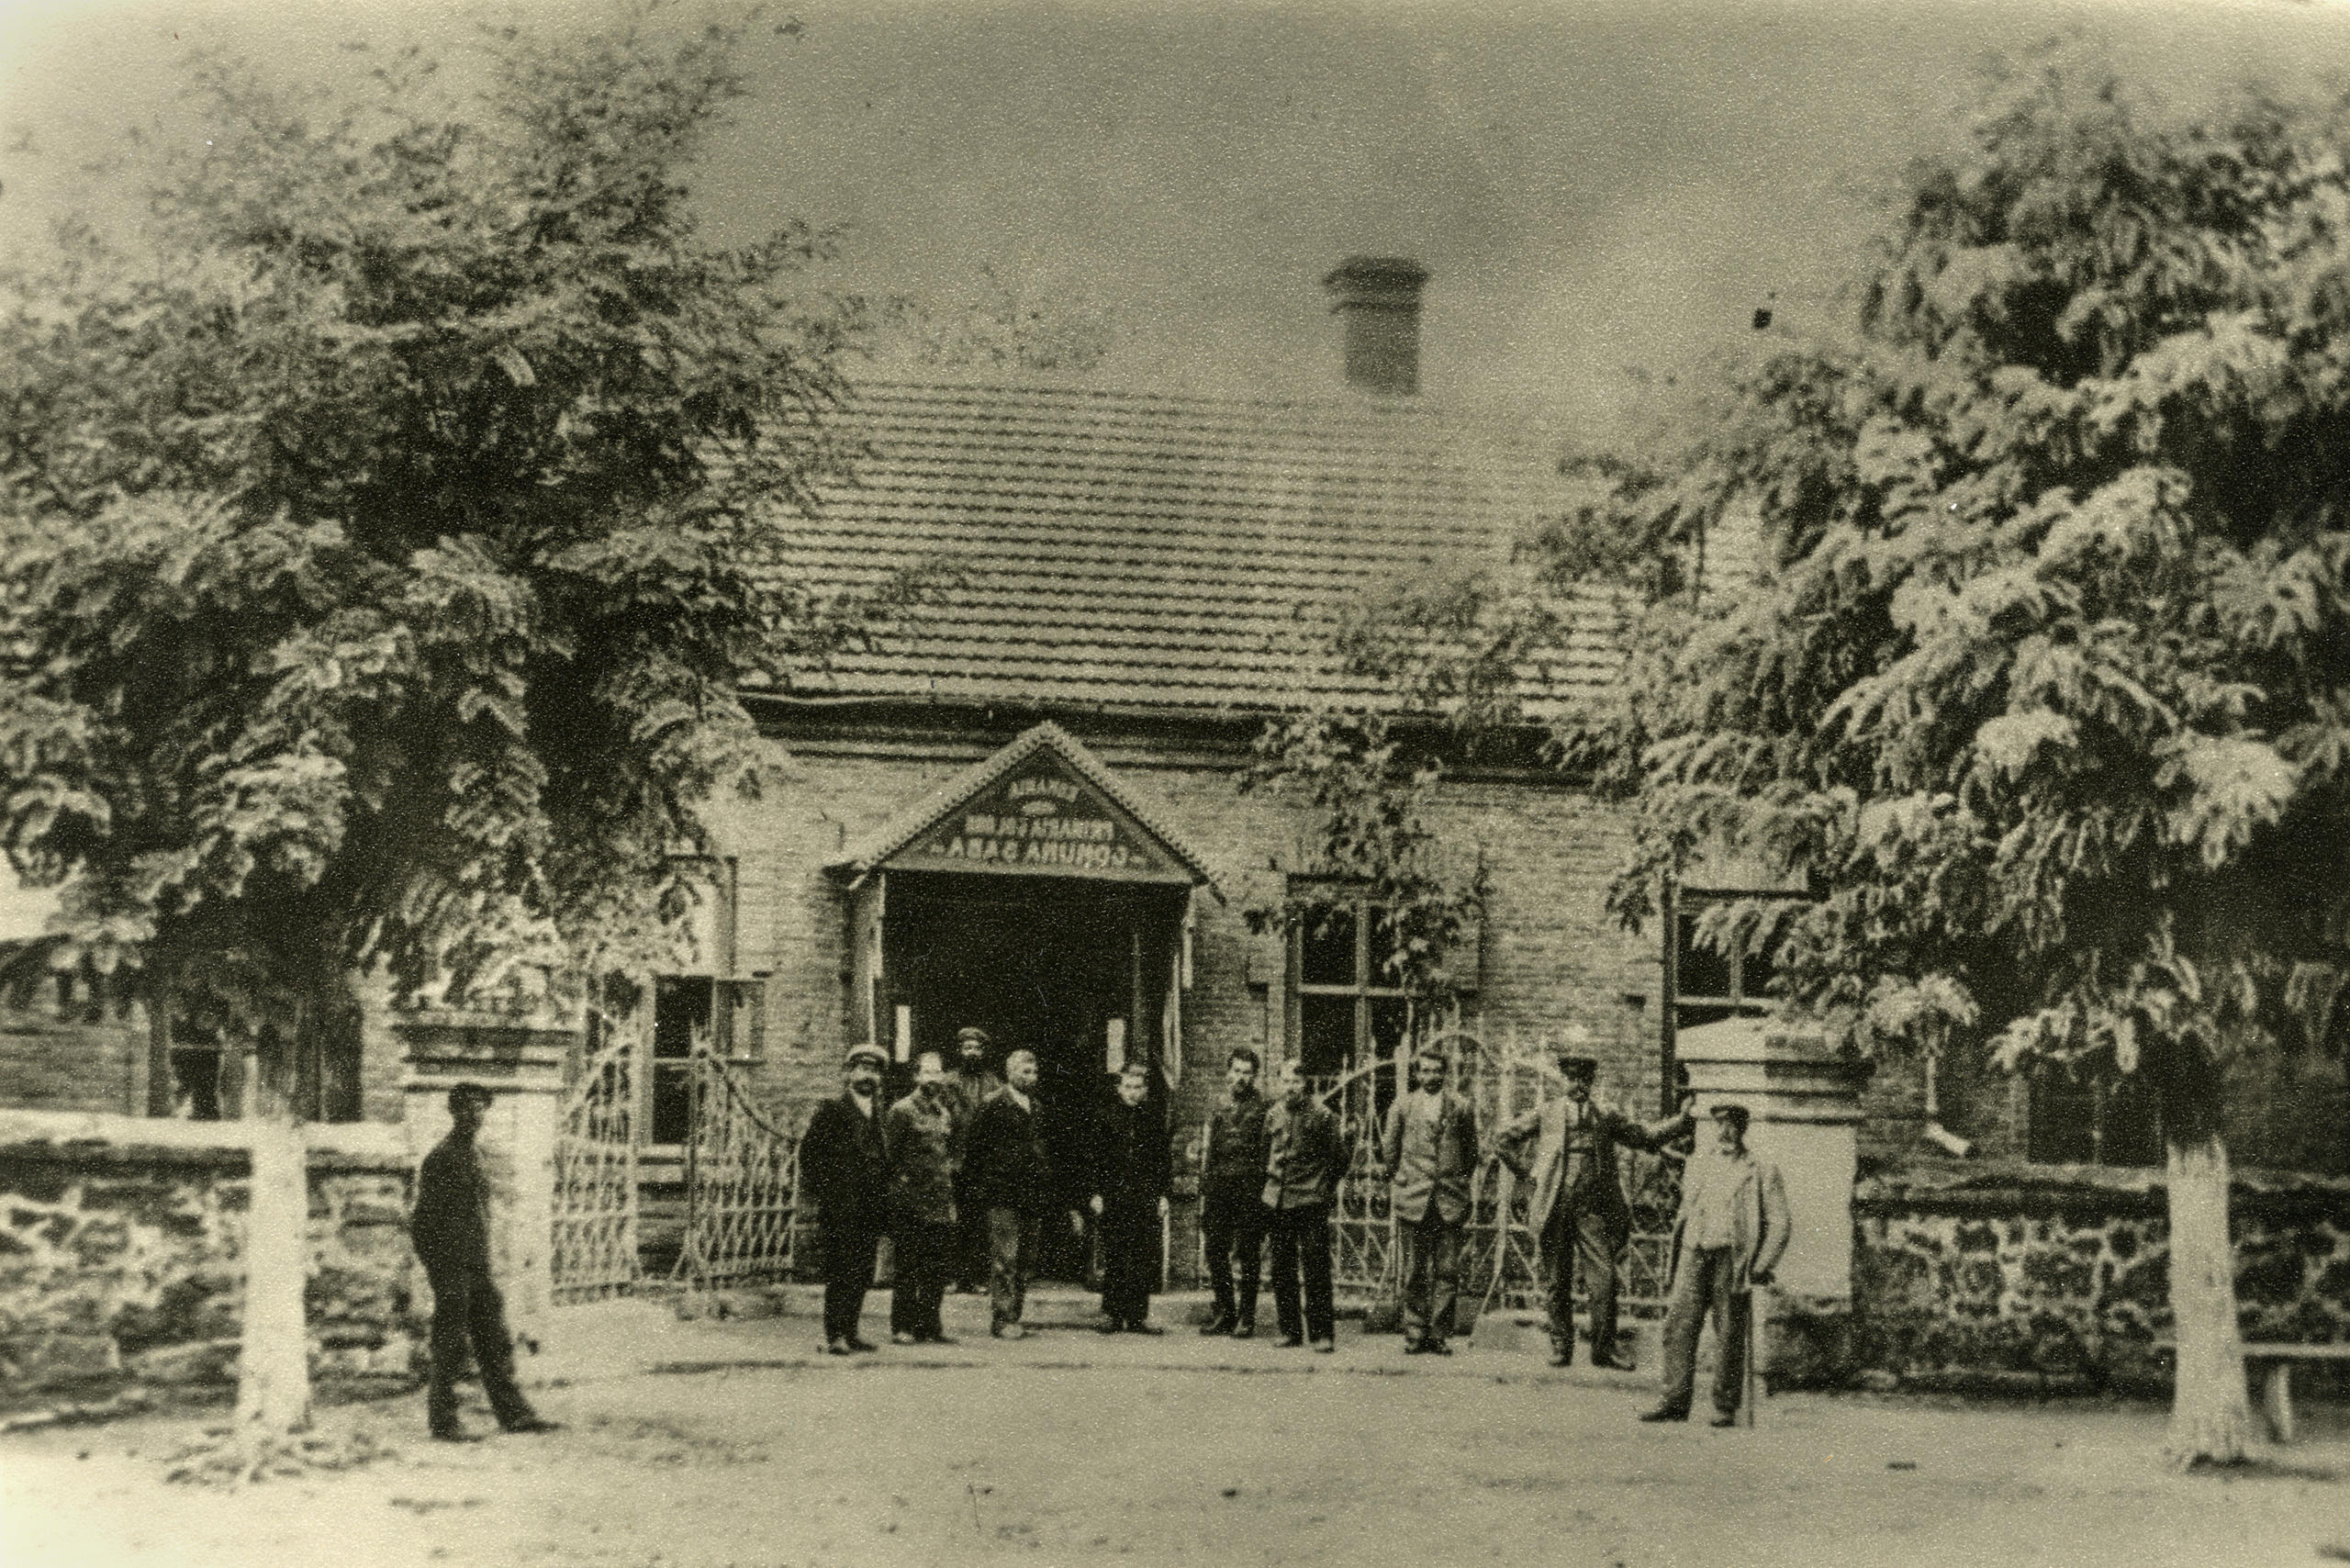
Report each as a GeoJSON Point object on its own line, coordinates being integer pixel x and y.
{"type": "Point", "coordinates": [1732, 1229]}
{"type": "Point", "coordinates": [970, 1084]}
{"type": "Point", "coordinates": [450, 1229]}
{"type": "Point", "coordinates": [1566, 1148]}
{"type": "Point", "coordinates": [844, 1165]}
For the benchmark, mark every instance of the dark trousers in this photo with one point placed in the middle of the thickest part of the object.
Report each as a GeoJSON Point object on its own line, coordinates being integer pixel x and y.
{"type": "Point", "coordinates": [1702, 1286]}
{"type": "Point", "coordinates": [1302, 1253]}
{"type": "Point", "coordinates": [849, 1252]}
{"type": "Point", "coordinates": [926, 1255]}
{"type": "Point", "coordinates": [1012, 1252]}
{"type": "Point", "coordinates": [1234, 1235]}
{"type": "Point", "coordinates": [1130, 1249]}
{"type": "Point", "coordinates": [971, 1248]}
{"type": "Point", "coordinates": [1577, 1241]}
{"type": "Point", "coordinates": [1431, 1292]}
{"type": "Point", "coordinates": [467, 1312]}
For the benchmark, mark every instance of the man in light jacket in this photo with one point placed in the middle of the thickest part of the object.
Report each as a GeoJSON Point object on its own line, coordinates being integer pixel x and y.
{"type": "Point", "coordinates": [1429, 1150]}
{"type": "Point", "coordinates": [1578, 1217]}
{"type": "Point", "coordinates": [1732, 1232]}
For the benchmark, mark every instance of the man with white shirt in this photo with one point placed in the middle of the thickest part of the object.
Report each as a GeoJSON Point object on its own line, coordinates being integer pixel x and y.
{"type": "Point", "coordinates": [1732, 1230]}
{"type": "Point", "coordinates": [1580, 1221]}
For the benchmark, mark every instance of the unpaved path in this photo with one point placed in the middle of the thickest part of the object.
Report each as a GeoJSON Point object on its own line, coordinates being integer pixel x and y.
{"type": "Point", "coordinates": [1074, 1450]}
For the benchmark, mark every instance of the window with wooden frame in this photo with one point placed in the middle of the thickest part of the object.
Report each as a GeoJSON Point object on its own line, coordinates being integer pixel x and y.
{"type": "Point", "coordinates": [1349, 1011]}
{"type": "Point", "coordinates": [1708, 984]}
{"type": "Point", "coordinates": [2090, 1120]}
{"type": "Point", "coordinates": [709, 1007]}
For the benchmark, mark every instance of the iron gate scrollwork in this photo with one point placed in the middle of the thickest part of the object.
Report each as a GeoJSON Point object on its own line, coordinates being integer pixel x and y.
{"type": "Point", "coordinates": [1502, 1081]}
{"type": "Point", "coordinates": [744, 1217]}
{"type": "Point", "coordinates": [593, 1251]}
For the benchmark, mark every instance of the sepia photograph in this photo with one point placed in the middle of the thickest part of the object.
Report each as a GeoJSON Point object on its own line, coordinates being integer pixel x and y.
{"type": "Point", "coordinates": [1309, 782]}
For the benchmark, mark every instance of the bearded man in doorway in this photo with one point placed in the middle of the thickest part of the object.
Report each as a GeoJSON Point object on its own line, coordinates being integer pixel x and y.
{"type": "Point", "coordinates": [969, 1084]}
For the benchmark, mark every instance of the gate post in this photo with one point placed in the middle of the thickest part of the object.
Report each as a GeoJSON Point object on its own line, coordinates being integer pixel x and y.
{"type": "Point", "coordinates": [1805, 1105]}
{"type": "Point", "coordinates": [520, 1062]}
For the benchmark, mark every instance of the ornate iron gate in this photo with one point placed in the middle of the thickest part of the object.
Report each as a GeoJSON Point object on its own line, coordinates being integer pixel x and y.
{"type": "Point", "coordinates": [594, 1249]}
{"type": "Point", "coordinates": [742, 1211]}
{"type": "Point", "coordinates": [1502, 1081]}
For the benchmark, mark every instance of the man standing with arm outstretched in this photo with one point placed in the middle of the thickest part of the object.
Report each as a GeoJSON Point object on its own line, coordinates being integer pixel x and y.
{"type": "Point", "coordinates": [1578, 1217]}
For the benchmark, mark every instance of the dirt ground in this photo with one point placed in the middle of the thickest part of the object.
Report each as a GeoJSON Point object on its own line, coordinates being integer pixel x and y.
{"type": "Point", "coordinates": [1075, 1449]}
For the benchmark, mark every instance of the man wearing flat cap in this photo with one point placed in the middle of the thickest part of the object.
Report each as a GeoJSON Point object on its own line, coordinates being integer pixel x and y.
{"type": "Point", "coordinates": [970, 1084]}
{"type": "Point", "coordinates": [1732, 1232]}
{"type": "Point", "coordinates": [1566, 1148]}
{"type": "Point", "coordinates": [845, 1166]}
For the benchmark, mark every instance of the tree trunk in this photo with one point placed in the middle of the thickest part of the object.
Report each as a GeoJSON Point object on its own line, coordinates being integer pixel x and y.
{"type": "Point", "coordinates": [2210, 1418]}
{"type": "Point", "coordinates": [273, 1368]}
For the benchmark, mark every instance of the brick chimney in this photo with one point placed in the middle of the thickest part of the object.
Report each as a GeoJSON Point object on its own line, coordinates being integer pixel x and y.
{"type": "Point", "coordinates": [1380, 297]}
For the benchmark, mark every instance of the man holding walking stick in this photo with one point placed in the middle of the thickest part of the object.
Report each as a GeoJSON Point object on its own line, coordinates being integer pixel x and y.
{"type": "Point", "coordinates": [1732, 1232]}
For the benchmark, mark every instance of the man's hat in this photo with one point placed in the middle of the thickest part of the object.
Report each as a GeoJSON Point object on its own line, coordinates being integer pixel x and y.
{"type": "Point", "coordinates": [871, 1052]}
{"type": "Point", "coordinates": [1733, 1114]}
{"type": "Point", "coordinates": [473, 1091]}
{"type": "Point", "coordinates": [973, 1033]}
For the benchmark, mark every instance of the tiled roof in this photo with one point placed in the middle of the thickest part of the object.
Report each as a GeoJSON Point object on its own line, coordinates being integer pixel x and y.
{"type": "Point", "coordinates": [1130, 550]}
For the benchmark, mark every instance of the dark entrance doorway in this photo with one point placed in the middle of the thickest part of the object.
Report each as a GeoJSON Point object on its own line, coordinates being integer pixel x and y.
{"type": "Point", "coordinates": [1077, 972]}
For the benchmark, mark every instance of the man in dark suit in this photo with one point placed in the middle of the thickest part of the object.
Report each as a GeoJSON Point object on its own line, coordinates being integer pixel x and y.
{"type": "Point", "coordinates": [844, 1165]}
{"type": "Point", "coordinates": [969, 1085]}
{"type": "Point", "coordinates": [1429, 1150]}
{"type": "Point", "coordinates": [1131, 1175]}
{"type": "Point", "coordinates": [1567, 1149]}
{"type": "Point", "coordinates": [918, 1132]}
{"type": "Point", "coordinates": [1233, 1217]}
{"type": "Point", "coordinates": [1304, 1158]}
{"type": "Point", "coordinates": [1008, 1168]}
{"type": "Point", "coordinates": [450, 1229]}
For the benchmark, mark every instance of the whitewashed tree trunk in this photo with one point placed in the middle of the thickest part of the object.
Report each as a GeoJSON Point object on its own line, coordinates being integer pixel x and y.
{"type": "Point", "coordinates": [273, 1368]}
{"type": "Point", "coordinates": [2210, 1419]}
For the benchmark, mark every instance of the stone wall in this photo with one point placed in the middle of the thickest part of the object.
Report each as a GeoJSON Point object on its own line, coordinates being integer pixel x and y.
{"type": "Point", "coordinates": [2038, 1278]}
{"type": "Point", "coordinates": [120, 1242]}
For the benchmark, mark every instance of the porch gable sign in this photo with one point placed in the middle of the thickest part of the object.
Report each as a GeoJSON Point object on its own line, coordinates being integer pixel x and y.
{"type": "Point", "coordinates": [1041, 816]}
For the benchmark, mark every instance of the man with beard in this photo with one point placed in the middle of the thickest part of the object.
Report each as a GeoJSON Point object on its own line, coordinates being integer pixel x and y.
{"type": "Point", "coordinates": [1732, 1232]}
{"type": "Point", "coordinates": [1305, 1157]}
{"type": "Point", "coordinates": [1131, 1175]}
{"type": "Point", "coordinates": [919, 1135]}
{"type": "Point", "coordinates": [1577, 1215]}
{"type": "Point", "coordinates": [1233, 1217]}
{"type": "Point", "coordinates": [1008, 1169]}
{"type": "Point", "coordinates": [845, 1165]}
{"type": "Point", "coordinates": [1429, 1150]}
{"type": "Point", "coordinates": [970, 1085]}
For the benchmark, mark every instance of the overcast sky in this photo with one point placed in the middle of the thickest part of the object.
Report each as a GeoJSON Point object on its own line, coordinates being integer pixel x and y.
{"type": "Point", "coordinates": [1596, 187]}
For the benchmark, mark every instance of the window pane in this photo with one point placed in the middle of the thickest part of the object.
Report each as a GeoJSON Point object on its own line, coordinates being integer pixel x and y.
{"type": "Point", "coordinates": [672, 1101]}
{"type": "Point", "coordinates": [1327, 949]}
{"type": "Point", "coordinates": [1382, 948]}
{"type": "Point", "coordinates": [1699, 971]}
{"type": "Point", "coordinates": [680, 1014]}
{"type": "Point", "coordinates": [2132, 1130]}
{"type": "Point", "coordinates": [2063, 1120]}
{"type": "Point", "coordinates": [1387, 1021]}
{"type": "Point", "coordinates": [1326, 1028]}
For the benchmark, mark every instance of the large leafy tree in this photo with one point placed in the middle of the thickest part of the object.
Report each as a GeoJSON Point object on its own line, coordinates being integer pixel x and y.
{"type": "Point", "coordinates": [2044, 686]}
{"type": "Point", "coordinates": [385, 530]}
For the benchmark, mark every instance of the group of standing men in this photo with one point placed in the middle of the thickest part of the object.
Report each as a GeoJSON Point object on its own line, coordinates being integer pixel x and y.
{"type": "Point", "coordinates": [961, 1175]}
{"type": "Point", "coordinates": [960, 1169]}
